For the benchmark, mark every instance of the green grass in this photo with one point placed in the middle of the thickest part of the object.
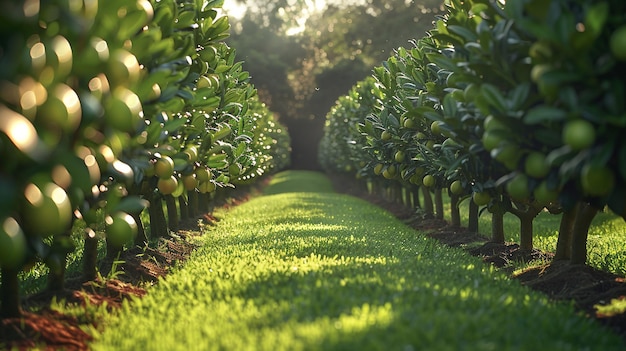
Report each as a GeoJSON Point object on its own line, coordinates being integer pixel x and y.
{"type": "Point", "coordinates": [606, 242]}
{"type": "Point", "coordinates": [304, 270]}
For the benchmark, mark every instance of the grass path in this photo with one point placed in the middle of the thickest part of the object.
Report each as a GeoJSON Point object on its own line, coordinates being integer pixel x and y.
{"type": "Point", "coordinates": [298, 269]}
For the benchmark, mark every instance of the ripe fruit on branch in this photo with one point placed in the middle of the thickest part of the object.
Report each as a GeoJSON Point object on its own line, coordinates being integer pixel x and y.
{"type": "Point", "coordinates": [597, 180]}
{"type": "Point", "coordinates": [12, 243]}
{"type": "Point", "coordinates": [399, 156]}
{"type": "Point", "coordinates": [167, 186]}
{"type": "Point", "coordinates": [120, 229]}
{"type": "Point", "coordinates": [190, 181]}
{"type": "Point", "coordinates": [46, 209]}
{"type": "Point", "coordinates": [579, 134]}
{"type": "Point", "coordinates": [481, 198]}
{"type": "Point", "coordinates": [456, 187]}
{"type": "Point", "coordinates": [202, 174]}
{"type": "Point", "coordinates": [429, 180]}
{"type": "Point", "coordinates": [536, 165]}
{"type": "Point", "coordinates": [544, 195]}
{"type": "Point", "coordinates": [164, 167]}
{"type": "Point", "coordinates": [517, 188]}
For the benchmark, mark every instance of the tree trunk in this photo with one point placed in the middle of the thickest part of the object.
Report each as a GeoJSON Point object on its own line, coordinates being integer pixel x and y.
{"type": "Point", "coordinates": [113, 252]}
{"type": "Point", "coordinates": [203, 203]}
{"type": "Point", "coordinates": [56, 274]}
{"type": "Point", "coordinates": [472, 224]}
{"type": "Point", "coordinates": [184, 209]}
{"type": "Point", "coordinates": [566, 228]}
{"type": "Point", "coordinates": [90, 257]}
{"type": "Point", "coordinates": [416, 198]}
{"type": "Point", "coordinates": [526, 217]}
{"type": "Point", "coordinates": [172, 213]}
{"type": "Point", "coordinates": [10, 294]}
{"type": "Point", "coordinates": [141, 239]}
{"type": "Point", "coordinates": [438, 203]}
{"type": "Point", "coordinates": [193, 204]}
{"type": "Point", "coordinates": [455, 213]}
{"type": "Point", "coordinates": [586, 213]}
{"type": "Point", "coordinates": [497, 226]}
{"type": "Point", "coordinates": [526, 232]}
{"type": "Point", "coordinates": [158, 226]}
{"type": "Point", "coordinates": [428, 203]}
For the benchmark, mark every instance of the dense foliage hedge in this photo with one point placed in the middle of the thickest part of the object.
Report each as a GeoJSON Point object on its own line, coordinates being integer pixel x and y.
{"type": "Point", "coordinates": [113, 106]}
{"type": "Point", "coordinates": [518, 106]}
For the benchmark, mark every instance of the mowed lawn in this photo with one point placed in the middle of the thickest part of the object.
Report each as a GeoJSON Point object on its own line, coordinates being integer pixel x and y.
{"type": "Point", "coordinates": [304, 268]}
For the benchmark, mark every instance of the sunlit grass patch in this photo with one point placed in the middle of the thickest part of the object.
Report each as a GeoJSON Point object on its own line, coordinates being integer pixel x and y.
{"type": "Point", "coordinates": [323, 271]}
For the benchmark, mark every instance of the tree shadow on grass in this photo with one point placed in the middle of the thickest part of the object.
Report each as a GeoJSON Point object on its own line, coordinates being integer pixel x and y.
{"type": "Point", "coordinates": [345, 297]}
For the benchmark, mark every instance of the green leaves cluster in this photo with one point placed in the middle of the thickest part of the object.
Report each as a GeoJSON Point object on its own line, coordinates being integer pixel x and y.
{"type": "Point", "coordinates": [517, 102]}
{"type": "Point", "coordinates": [111, 106]}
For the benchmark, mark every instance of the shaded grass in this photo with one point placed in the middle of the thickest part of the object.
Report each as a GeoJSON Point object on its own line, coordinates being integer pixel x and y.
{"type": "Point", "coordinates": [323, 271]}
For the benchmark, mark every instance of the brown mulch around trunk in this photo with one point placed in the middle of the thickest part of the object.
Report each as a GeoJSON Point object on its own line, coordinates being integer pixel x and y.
{"type": "Point", "coordinates": [585, 286]}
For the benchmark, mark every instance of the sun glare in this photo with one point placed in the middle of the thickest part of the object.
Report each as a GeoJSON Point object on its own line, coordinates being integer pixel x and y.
{"type": "Point", "coordinates": [234, 9]}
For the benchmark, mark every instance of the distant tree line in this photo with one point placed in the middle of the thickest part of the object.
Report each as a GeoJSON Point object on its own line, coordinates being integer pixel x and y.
{"type": "Point", "coordinates": [301, 75]}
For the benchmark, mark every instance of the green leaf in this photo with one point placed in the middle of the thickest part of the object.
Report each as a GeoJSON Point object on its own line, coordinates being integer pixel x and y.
{"type": "Point", "coordinates": [174, 124]}
{"type": "Point", "coordinates": [494, 97]}
{"type": "Point", "coordinates": [131, 204]}
{"type": "Point", "coordinates": [541, 114]}
{"type": "Point", "coordinates": [467, 34]}
{"type": "Point", "coordinates": [596, 18]}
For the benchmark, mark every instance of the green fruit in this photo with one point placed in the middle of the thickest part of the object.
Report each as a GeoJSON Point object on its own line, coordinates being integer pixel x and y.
{"type": "Point", "coordinates": [429, 180]}
{"type": "Point", "coordinates": [120, 229]}
{"type": "Point", "coordinates": [579, 134]}
{"type": "Point", "coordinates": [435, 127]}
{"type": "Point", "coordinates": [538, 71]}
{"type": "Point", "coordinates": [540, 51]}
{"type": "Point", "coordinates": [517, 188]}
{"type": "Point", "coordinates": [164, 167]}
{"type": "Point", "coordinates": [545, 196]}
{"type": "Point", "coordinates": [202, 174]}
{"type": "Point", "coordinates": [123, 110]}
{"type": "Point", "coordinates": [597, 180]}
{"type": "Point", "coordinates": [416, 179]}
{"type": "Point", "coordinates": [456, 187]}
{"type": "Point", "coordinates": [61, 110]}
{"type": "Point", "coordinates": [378, 168]}
{"type": "Point", "coordinates": [124, 68]}
{"type": "Point", "coordinates": [207, 187]}
{"type": "Point", "coordinates": [46, 210]}
{"type": "Point", "coordinates": [491, 140]}
{"type": "Point", "coordinates": [507, 153]}
{"type": "Point", "coordinates": [481, 198]}
{"type": "Point", "coordinates": [12, 244]}
{"type": "Point", "coordinates": [167, 186]}
{"type": "Point", "coordinates": [536, 165]}
{"type": "Point", "coordinates": [390, 172]}
{"type": "Point", "coordinates": [190, 182]}
{"type": "Point", "coordinates": [385, 135]}
{"type": "Point", "coordinates": [491, 123]}
{"type": "Point", "coordinates": [409, 123]}
{"type": "Point", "coordinates": [399, 156]}
{"type": "Point", "coordinates": [618, 43]}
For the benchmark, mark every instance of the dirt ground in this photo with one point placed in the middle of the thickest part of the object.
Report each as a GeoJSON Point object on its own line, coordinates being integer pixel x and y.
{"type": "Point", "coordinates": [43, 326]}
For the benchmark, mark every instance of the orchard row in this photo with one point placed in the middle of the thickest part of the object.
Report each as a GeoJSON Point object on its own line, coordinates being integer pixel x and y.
{"type": "Point", "coordinates": [518, 106]}
{"type": "Point", "coordinates": [106, 109]}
